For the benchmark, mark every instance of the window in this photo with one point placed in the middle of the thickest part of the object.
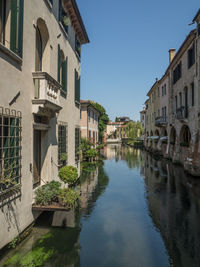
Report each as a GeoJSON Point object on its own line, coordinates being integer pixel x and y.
{"type": "Point", "coordinates": [176, 102]}
{"type": "Point", "coordinates": [93, 136]}
{"type": "Point", "coordinates": [77, 86]}
{"type": "Point", "coordinates": [10, 148]}
{"type": "Point", "coordinates": [77, 143]}
{"type": "Point", "coordinates": [62, 144]}
{"type": "Point", "coordinates": [11, 14]}
{"type": "Point", "coordinates": [77, 46]}
{"type": "Point", "coordinates": [89, 134]}
{"type": "Point", "coordinates": [191, 56]}
{"type": "Point", "coordinates": [199, 29]}
{"type": "Point", "coordinates": [180, 99]}
{"type": "Point", "coordinates": [38, 51]}
{"type": "Point", "coordinates": [158, 91]}
{"type": "Point", "coordinates": [88, 115]}
{"type": "Point", "coordinates": [192, 94]}
{"type": "Point", "coordinates": [63, 17]}
{"type": "Point", "coordinates": [62, 69]}
{"type": "Point", "coordinates": [177, 73]}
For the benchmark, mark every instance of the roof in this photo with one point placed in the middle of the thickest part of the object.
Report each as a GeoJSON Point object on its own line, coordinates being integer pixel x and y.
{"type": "Point", "coordinates": [150, 91]}
{"type": "Point", "coordinates": [143, 111]}
{"type": "Point", "coordinates": [115, 123]}
{"type": "Point", "coordinates": [189, 38]}
{"type": "Point", "coordinates": [72, 10]}
{"type": "Point", "coordinates": [87, 103]}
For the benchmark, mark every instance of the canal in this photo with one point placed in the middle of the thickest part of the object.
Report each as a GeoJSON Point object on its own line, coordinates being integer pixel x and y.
{"type": "Point", "coordinates": [135, 211]}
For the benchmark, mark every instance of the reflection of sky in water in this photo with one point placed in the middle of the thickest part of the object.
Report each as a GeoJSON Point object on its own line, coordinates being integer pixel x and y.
{"type": "Point", "coordinates": [120, 231]}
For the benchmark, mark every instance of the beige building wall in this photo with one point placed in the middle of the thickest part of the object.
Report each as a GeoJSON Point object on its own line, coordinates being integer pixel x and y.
{"type": "Point", "coordinates": [18, 80]}
{"type": "Point", "coordinates": [89, 122]}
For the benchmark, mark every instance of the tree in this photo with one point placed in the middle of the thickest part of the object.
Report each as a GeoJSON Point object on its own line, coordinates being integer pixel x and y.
{"type": "Point", "coordinates": [103, 119]}
{"type": "Point", "coordinates": [134, 129]}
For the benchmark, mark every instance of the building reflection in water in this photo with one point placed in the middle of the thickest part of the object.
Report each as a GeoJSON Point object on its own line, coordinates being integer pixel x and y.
{"type": "Point", "coordinates": [57, 246]}
{"type": "Point", "coordinates": [173, 199]}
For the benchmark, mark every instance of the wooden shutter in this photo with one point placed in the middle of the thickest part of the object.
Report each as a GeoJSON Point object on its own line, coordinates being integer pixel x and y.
{"type": "Point", "coordinates": [58, 78]}
{"type": "Point", "coordinates": [64, 75]}
{"type": "Point", "coordinates": [16, 28]}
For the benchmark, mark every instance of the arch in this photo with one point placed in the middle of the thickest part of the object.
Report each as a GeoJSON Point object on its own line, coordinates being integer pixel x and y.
{"type": "Point", "coordinates": [185, 136]}
{"type": "Point", "coordinates": [42, 53]}
{"type": "Point", "coordinates": [172, 136]}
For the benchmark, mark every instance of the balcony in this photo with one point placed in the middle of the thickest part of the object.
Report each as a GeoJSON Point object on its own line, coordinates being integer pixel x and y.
{"type": "Point", "coordinates": [47, 91]}
{"type": "Point", "coordinates": [161, 121]}
{"type": "Point", "coordinates": [182, 113]}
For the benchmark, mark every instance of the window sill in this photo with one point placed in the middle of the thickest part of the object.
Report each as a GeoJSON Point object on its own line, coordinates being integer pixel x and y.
{"type": "Point", "coordinates": [10, 54]}
{"type": "Point", "coordinates": [63, 29]}
{"type": "Point", "coordinates": [14, 190]}
{"type": "Point", "coordinates": [63, 93]}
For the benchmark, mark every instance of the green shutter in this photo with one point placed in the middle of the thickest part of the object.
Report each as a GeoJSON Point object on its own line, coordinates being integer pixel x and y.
{"type": "Point", "coordinates": [16, 28]}
{"type": "Point", "coordinates": [64, 75]}
{"type": "Point", "coordinates": [58, 63]}
{"type": "Point", "coordinates": [13, 32]}
{"type": "Point", "coordinates": [79, 89]}
{"type": "Point", "coordinates": [77, 86]}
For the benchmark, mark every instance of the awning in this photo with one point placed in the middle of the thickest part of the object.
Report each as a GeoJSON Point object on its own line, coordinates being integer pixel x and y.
{"type": "Point", "coordinates": [155, 137]}
{"type": "Point", "coordinates": [164, 138]}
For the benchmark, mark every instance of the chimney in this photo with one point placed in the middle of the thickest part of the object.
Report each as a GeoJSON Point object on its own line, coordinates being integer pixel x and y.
{"type": "Point", "coordinates": [171, 54]}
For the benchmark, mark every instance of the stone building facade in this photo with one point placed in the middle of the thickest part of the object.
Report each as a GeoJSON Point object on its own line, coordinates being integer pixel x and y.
{"type": "Point", "coordinates": [179, 122]}
{"type": "Point", "coordinates": [40, 46]}
{"type": "Point", "coordinates": [89, 122]}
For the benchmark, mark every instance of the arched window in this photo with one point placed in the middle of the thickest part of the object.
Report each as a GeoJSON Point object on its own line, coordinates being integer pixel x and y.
{"type": "Point", "coordinates": [38, 51]}
{"type": "Point", "coordinates": [172, 136]}
{"type": "Point", "coordinates": [185, 136]}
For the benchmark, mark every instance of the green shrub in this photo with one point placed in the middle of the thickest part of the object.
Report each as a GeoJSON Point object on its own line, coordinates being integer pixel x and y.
{"type": "Point", "coordinates": [91, 153]}
{"type": "Point", "coordinates": [68, 174]}
{"type": "Point", "coordinates": [47, 193]}
{"type": "Point", "coordinates": [68, 197]}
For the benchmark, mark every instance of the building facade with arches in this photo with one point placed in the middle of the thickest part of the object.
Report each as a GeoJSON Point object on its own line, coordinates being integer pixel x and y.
{"type": "Point", "coordinates": [40, 62]}
{"type": "Point", "coordinates": [178, 123]}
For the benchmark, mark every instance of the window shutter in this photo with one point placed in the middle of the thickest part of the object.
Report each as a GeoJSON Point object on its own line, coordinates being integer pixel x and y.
{"type": "Point", "coordinates": [16, 28]}
{"type": "Point", "coordinates": [64, 75]}
{"type": "Point", "coordinates": [58, 78]}
{"type": "Point", "coordinates": [78, 93]}
{"type": "Point", "coordinates": [20, 36]}
{"type": "Point", "coordinates": [77, 87]}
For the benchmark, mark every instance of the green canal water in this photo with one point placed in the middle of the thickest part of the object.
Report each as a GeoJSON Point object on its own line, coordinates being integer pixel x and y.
{"type": "Point", "coordinates": [135, 211]}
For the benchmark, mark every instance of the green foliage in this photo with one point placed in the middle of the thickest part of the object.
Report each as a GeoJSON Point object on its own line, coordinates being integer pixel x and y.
{"type": "Point", "coordinates": [103, 120]}
{"type": "Point", "coordinates": [91, 153]}
{"type": "Point", "coordinates": [134, 129]}
{"type": "Point", "coordinates": [14, 242]}
{"type": "Point", "coordinates": [47, 193]}
{"type": "Point", "coordinates": [63, 157]}
{"type": "Point", "coordinates": [68, 174]}
{"type": "Point", "coordinates": [68, 197]}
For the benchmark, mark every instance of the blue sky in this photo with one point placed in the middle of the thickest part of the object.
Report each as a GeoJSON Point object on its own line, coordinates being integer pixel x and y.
{"type": "Point", "coordinates": [128, 49]}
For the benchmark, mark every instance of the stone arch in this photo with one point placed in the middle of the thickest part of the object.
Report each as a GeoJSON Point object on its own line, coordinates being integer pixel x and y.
{"type": "Point", "coordinates": [42, 55]}
{"type": "Point", "coordinates": [172, 136]}
{"type": "Point", "coordinates": [185, 135]}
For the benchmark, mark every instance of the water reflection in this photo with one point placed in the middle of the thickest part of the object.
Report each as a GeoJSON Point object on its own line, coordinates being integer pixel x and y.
{"type": "Point", "coordinates": [50, 246]}
{"type": "Point", "coordinates": [135, 211]}
{"type": "Point", "coordinates": [174, 205]}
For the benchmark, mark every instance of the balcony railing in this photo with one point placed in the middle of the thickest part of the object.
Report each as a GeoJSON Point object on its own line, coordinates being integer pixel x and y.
{"type": "Point", "coordinates": [47, 91]}
{"type": "Point", "coordinates": [182, 113]}
{"type": "Point", "coordinates": [161, 121]}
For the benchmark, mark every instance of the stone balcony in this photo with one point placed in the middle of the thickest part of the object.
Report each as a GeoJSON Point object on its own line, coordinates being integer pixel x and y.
{"type": "Point", "coordinates": [161, 121]}
{"type": "Point", "coordinates": [47, 92]}
{"type": "Point", "coordinates": [182, 113]}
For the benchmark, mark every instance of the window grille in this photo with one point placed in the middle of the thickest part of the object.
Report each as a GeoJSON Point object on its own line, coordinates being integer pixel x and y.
{"type": "Point", "coordinates": [62, 144]}
{"type": "Point", "coordinates": [10, 148]}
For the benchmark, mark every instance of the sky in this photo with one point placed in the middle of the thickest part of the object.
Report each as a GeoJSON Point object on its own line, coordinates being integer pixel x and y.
{"type": "Point", "coordinates": [128, 49]}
